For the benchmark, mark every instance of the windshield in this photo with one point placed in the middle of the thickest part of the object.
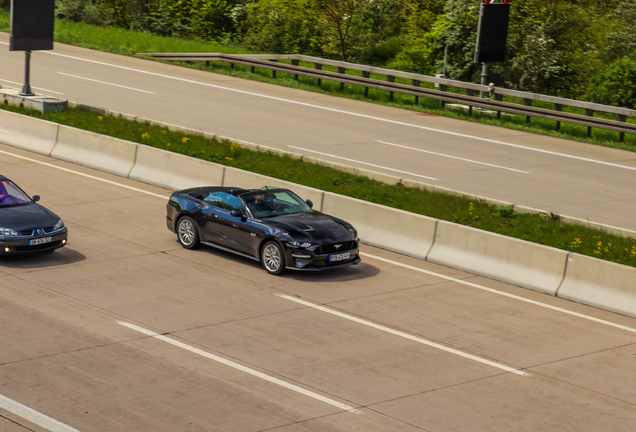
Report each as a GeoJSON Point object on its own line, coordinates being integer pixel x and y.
{"type": "Point", "coordinates": [263, 204]}
{"type": "Point", "coordinates": [10, 194]}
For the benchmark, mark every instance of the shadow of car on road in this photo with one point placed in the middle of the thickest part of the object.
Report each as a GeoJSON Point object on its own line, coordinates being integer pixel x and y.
{"type": "Point", "coordinates": [360, 271]}
{"type": "Point", "coordinates": [59, 257]}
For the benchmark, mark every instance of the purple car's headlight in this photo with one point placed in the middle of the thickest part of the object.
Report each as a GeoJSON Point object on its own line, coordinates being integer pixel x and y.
{"type": "Point", "coordinates": [8, 232]}
{"type": "Point", "coordinates": [59, 225]}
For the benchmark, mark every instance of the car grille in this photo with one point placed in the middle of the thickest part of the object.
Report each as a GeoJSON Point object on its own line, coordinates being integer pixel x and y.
{"type": "Point", "coordinates": [33, 231]}
{"type": "Point", "coordinates": [331, 248]}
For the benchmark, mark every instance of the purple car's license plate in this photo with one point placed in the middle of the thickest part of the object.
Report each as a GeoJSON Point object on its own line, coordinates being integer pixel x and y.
{"type": "Point", "coordinates": [40, 241]}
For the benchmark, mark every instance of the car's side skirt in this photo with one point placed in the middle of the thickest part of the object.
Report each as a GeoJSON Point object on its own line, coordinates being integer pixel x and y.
{"type": "Point", "coordinates": [229, 250]}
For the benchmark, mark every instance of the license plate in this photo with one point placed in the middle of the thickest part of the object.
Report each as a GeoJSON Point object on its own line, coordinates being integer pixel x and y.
{"type": "Point", "coordinates": [40, 241]}
{"type": "Point", "coordinates": [340, 257]}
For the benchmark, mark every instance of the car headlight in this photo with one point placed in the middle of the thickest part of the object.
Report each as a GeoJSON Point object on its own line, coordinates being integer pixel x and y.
{"type": "Point", "coordinates": [297, 244]}
{"type": "Point", "coordinates": [8, 232]}
{"type": "Point", "coordinates": [59, 225]}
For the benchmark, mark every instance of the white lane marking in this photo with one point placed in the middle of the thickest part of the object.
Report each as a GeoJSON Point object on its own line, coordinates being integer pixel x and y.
{"type": "Point", "coordinates": [363, 163]}
{"type": "Point", "coordinates": [240, 367]}
{"type": "Point", "coordinates": [33, 416]}
{"type": "Point", "coordinates": [37, 88]}
{"type": "Point", "coordinates": [84, 175]}
{"type": "Point", "coordinates": [404, 335]}
{"type": "Point", "coordinates": [453, 157]}
{"type": "Point", "coordinates": [354, 114]}
{"type": "Point", "coordinates": [107, 83]}
{"type": "Point", "coordinates": [501, 293]}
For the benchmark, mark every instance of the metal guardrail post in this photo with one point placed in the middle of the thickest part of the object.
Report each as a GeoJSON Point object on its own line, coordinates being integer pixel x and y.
{"type": "Point", "coordinates": [470, 92]}
{"type": "Point", "coordinates": [558, 107]}
{"type": "Point", "coordinates": [253, 69]}
{"type": "Point", "coordinates": [622, 118]}
{"type": "Point", "coordinates": [499, 98]}
{"type": "Point", "coordinates": [416, 83]}
{"type": "Point", "coordinates": [527, 102]}
{"type": "Point", "coordinates": [390, 78]}
{"type": "Point", "coordinates": [342, 71]}
{"type": "Point", "coordinates": [442, 87]}
{"type": "Point", "coordinates": [295, 63]}
{"type": "Point", "coordinates": [273, 70]}
{"type": "Point", "coordinates": [366, 74]}
{"type": "Point", "coordinates": [589, 113]}
{"type": "Point", "coordinates": [319, 67]}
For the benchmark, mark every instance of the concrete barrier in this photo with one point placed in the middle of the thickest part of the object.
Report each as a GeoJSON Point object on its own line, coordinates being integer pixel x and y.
{"type": "Point", "coordinates": [382, 226]}
{"type": "Point", "coordinates": [498, 257]}
{"type": "Point", "coordinates": [600, 283]}
{"type": "Point", "coordinates": [250, 180]}
{"type": "Point", "coordinates": [174, 171]}
{"type": "Point", "coordinates": [27, 132]}
{"type": "Point", "coordinates": [96, 151]}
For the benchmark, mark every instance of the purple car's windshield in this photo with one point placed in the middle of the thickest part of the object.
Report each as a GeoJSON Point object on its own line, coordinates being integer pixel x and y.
{"type": "Point", "coordinates": [10, 194]}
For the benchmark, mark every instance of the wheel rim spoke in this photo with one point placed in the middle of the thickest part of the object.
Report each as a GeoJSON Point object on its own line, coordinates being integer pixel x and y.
{"type": "Point", "coordinates": [186, 232]}
{"type": "Point", "coordinates": [272, 258]}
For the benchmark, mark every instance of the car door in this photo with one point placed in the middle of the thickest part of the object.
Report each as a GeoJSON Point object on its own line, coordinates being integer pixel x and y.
{"type": "Point", "coordinates": [226, 230]}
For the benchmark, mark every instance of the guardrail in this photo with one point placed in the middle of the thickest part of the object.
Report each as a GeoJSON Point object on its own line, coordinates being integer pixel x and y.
{"type": "Point", "coordinates": [271, 62]}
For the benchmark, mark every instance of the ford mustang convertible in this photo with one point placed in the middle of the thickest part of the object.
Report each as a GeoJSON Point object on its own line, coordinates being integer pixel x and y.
{"type": "Point", "coordinates": [26, 226]}
{"type": "Point", "coordinates": [273, 226]}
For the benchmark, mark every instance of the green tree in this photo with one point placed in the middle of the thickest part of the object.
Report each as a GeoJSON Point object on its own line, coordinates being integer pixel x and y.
{"type": "Point", "coordinates": [622, 38]}
{"type": "Point", "coordinates": [616, 84]}
{"type": "Point", "coordinates": [282, 26]}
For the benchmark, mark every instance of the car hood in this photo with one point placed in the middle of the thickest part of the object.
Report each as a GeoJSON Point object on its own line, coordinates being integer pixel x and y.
{"type": "Point", "coordinates": [312, 226]}
{"type": "Point", "coordinates": [28, 216]}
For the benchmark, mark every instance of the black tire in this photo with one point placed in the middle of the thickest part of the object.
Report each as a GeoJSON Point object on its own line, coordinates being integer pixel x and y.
{"type": "Point", "coordinates": [273, 258]}
{"type": "Point", "coordinates": [187, 233]}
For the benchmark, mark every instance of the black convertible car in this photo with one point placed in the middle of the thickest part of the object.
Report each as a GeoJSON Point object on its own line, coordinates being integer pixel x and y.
{"type": "Point", "coordinates": [273, 226]}
{"type": "Point", "coordinates": [26, 226]}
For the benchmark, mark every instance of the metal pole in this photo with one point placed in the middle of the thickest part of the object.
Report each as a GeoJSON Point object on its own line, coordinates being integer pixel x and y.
{"type": "Point", "coordinates": [484, 75]}
{"type": "Point", "coordinates": [445, 55]}
{"type": "Point", "coordinates": [26, 90]}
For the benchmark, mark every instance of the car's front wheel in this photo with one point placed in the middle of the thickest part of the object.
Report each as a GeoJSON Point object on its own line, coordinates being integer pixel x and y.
{"type": "Point", "coordinates": [187, 233]}
{"type": "Point", "coordinates": [272, 258]}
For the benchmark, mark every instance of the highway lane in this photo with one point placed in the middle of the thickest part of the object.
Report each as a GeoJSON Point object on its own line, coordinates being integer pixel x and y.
{"type": "Point", "coordinates": [125, 330]}
{"type": "Point", "coordinates": [579, 180]}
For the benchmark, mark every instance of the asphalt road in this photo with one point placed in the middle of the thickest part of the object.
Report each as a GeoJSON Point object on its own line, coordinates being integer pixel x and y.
{"type": "Point", "coordinates": [124, 330]}
{"type": "Point", "coordinates": [568, 178]}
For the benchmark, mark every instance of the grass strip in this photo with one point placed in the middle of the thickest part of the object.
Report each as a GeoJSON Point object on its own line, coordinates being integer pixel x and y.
{"type": "Point", "coordinates": [545, 229]}
{"type": "Point", "coordinates": [129, 42]}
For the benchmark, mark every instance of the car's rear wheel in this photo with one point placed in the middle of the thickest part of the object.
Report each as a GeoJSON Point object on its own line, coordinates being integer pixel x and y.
{"type": "Point", "coordinates": [187, 233]}
{"type": "Point", "coordinates": [272, 258]}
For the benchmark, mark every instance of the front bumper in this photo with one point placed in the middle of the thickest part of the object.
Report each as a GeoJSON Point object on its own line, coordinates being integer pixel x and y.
{"type": "Point", "coordinates": [11, 245]}
{"type": "Point", "coordinates": [301, 259]}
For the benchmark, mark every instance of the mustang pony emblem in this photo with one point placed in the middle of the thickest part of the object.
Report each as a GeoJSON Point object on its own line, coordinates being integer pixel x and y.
{"type": "Point", "coordinates": [338, 246]}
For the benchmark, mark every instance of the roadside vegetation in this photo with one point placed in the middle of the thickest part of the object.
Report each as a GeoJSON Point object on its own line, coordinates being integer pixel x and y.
{"type": "Point", "coordinates": [542, 228]}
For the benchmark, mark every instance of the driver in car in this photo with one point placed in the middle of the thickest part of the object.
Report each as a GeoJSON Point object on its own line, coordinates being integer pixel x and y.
{"type": "Point", "coordinates": [260, 205]}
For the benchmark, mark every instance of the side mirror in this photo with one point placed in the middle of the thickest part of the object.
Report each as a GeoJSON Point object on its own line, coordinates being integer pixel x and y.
{"type": "Point", "coordinates": [309, 203]}
{"type": "Point", "coordinates": [236, 213]}
{"type": "Point", "coordinates": [35, 198]}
